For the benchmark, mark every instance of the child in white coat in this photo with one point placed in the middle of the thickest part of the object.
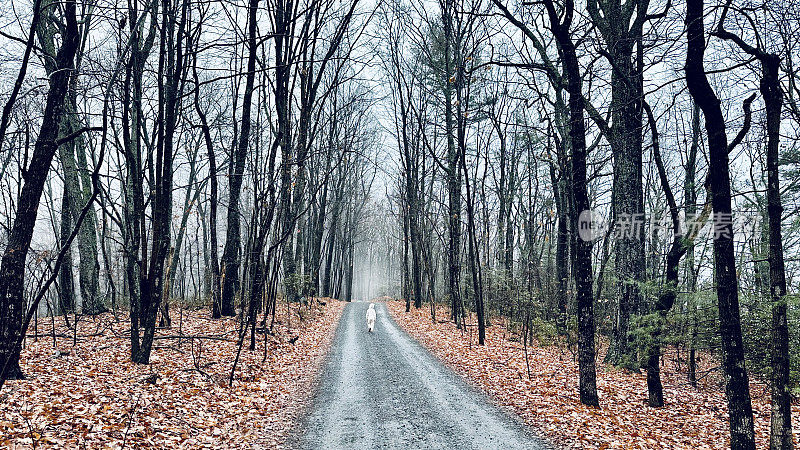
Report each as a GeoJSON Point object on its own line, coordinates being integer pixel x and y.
{"type": "Point", "coordinates": [371, 317]}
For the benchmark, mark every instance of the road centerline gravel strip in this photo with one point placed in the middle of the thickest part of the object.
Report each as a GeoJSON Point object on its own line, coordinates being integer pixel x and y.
{"type": "Point", "coordinates": [384, 390]}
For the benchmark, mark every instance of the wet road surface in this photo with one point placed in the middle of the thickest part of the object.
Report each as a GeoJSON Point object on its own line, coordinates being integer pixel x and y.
{"type": "Point", "coordinates": [384, 390]}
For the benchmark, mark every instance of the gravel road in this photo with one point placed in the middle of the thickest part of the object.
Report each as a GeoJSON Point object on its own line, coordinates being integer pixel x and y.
{"type": "Point", "coordinates": [384, 390]}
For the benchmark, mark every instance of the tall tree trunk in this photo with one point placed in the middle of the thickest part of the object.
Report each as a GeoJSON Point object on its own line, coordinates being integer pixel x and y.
{"type": "Point", "coordinates": [770, 87]}
{"type": "Point", "coordinates": [77, 179]}
{"type": "Point", "coordinates": [562, 246]}
{"type": "Point", "coordinates": [135, 246]}
{"type": "Point", "coordinates": [690, 200]}
{"type": "Point", "coordinates": [737, 389]}
{"type": "Point", "coordinates": [171, 60]}
{"type": "Point", "coordinates": [333, 232]}
{"type": "Point", "coordinates": [669, 291]}
{"type": "Point", "coordinates": [283, 47]}
{"type": "Point", "coordinates": [453, 174]}
{"type": "Point", "coordinates": [621, 28]}
{"type": "Point", "coordinates": [474, 257]}
{"type": "Point", "coordinates": [582, 255]}
{"type": "Point", "coordinates": [66, 286]}
{"type": "Point", "coordinates": [405, 279]}
{"type": "Point", "coordinates": [89, 266]}
{"type": "Point", "coordinates": [12, 264]}
{"type": "Point", "coordinates": [231, 255]}
{"type": "Point", "coordinates": [348, 275]}
{"type": "Point", "coordinates": [781, 419]}
{"type": "Point", "coordinates": [413, 207]}
{"type": "Point", "coordinates": [87, 237]}
{"type": "Point", "coordinates": [216, 299]}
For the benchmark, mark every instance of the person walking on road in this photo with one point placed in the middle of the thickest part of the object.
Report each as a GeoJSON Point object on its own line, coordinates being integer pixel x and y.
{"type": "Point", "coordinates": [371, 317]}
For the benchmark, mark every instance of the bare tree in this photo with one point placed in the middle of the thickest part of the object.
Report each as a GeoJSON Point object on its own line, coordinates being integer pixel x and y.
{"type": "Point", "coordinates": [737, 389]}
{"type": "Point", "coordinates": [12, 265]}
{"type": "Point", "coordinates": [772, 93]}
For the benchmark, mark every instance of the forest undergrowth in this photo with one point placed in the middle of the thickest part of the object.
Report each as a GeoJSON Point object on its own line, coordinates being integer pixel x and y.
{"type": "Point", "coordinates": [85, 393]}
{"type": "Point", "coordinates": [542, 388]}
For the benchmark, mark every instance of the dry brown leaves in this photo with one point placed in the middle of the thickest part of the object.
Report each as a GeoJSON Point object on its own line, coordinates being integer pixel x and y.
{"type": "Point", "coordinates": [693, 417]}
{"type": "Point", "coordinates": [92, 396]}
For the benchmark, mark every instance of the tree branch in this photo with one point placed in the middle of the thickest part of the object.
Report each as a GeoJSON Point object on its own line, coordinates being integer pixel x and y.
{"type": "Point", "coordinates": [746, 126]}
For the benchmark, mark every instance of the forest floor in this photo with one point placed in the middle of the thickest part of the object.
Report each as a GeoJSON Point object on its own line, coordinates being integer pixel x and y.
{"type": "Point", "coordinates": [694, 417]}
{"type": "Point", "coordinates": [87, 394]}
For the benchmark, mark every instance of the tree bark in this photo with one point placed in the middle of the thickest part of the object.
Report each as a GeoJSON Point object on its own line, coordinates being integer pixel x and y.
{"type": "Point", "coordinates": [66, 286]}
{"type": "Point", "coordinates": [216, 300]}
{"type": "Point", "coordinates": [737, 389]}
{"type": "Point", "coordinates": [12, 264]}
{"type": "Point", "coordinates": [770, 87]}
{"type": "Point", "coordinates": [620, 26]}
{"type": "Point", "coordinates": [582, 256]}
{"type": "Point", "coordinates": [690, 201]}
{"type": "Point", "coordinates": [452, 175]}
{"type": "Point", "coordinates": [231, 255]}
{"type": "Point", "coordinates": [77, 179]}
{"type": "Point", "coordinates": [171, 63]}
{"type": "Point", "coordinates": [781, 418]}
{"type": "Point", "coordinates": [669, 291]}
{"type": "Point", "coordinates": [135, 246]}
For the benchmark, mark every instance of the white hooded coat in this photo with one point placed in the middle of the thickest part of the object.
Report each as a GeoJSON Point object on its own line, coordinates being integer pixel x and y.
{"type": "Point", "coordinates": [371, 316]}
